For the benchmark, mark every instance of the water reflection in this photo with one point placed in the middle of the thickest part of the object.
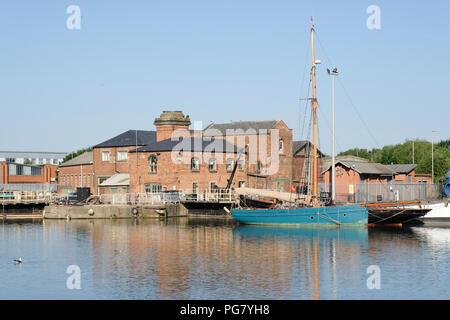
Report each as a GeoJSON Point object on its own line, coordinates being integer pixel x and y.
{"type": "Point", "coordinates": [303, 250]}
{"type": "Point", "coordinates": [199, 258]}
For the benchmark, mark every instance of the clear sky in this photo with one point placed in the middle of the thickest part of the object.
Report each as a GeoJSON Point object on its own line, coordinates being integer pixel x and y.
{"type": "Point", "coordinates": [63, 89]}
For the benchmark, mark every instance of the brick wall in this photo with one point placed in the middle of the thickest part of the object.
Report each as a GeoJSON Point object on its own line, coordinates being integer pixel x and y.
{"type": "Point", "coordinates": [260, 146]}
{"type": "Point", "coordinates": [69, 178]}
{"type": "Point", "coordinates": [173, 174]}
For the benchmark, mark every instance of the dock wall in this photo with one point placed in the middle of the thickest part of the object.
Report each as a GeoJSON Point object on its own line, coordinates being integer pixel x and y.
{"type": "Point", "coordinates": [113, 211]}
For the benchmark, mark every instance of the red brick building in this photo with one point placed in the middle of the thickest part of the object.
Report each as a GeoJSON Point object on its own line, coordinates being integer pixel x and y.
{"type": "Point", "coordinates": [303, 163]}
{"type": "Point", "coordinates": [112, 156]}
{"type": "Point", "coordinates": [77, 172]}
{"type": "Point", "coordinates": [269, 158]}
{"type": "Point", "coordinates": [193, 165]}
{"type": "Point", "coordinates": [150, 161]}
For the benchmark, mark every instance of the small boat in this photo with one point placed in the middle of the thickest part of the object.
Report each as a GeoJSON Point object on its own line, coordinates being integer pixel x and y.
{"type": "Point", "coordinates": [395, 213]}
{"type": "Point", "coordinates": [256, 203]}
{"type": "Point", "coordinates": [315, 213]}
{"type": "Point", "coordinates": [438, 215]}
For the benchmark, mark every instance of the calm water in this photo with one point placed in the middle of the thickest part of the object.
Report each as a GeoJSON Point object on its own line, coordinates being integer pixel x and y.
{"type": "Point", "coordinates": [200, 258]}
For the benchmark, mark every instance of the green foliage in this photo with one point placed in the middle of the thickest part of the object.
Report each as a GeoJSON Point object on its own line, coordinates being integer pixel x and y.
{"type": "Point", "coordinates": [74, 154]}
{"type": "Point", "coordinates": [403, 154]}
{"type": "Point", "coordinates": [27, 161]}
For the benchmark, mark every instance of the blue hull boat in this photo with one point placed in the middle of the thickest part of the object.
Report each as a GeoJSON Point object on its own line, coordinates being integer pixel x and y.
{"type": "Point", "coordinates": [350, 215]}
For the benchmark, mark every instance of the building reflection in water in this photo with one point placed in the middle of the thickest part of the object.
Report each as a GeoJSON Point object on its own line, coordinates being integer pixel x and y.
{"type": "Point", "coordinates": [188, 259]}
{"type": "Point", "coordinates": [308, 259]}
{"type": "Point", "coordinates": [206, 258]}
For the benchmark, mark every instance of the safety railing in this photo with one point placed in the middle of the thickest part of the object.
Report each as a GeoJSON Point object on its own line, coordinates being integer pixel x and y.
{"type": "Point", "coordinates": [26, 197]}
{"type": "Point", "coordinates": [166, 197]}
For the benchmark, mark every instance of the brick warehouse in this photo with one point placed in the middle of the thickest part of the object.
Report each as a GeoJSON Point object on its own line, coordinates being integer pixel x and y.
{"type": "Point", "coordinates": [143, 161]}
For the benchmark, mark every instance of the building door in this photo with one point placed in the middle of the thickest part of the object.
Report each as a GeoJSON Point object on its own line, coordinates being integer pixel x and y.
{"type": "Point", "coordinates": [280, 186]}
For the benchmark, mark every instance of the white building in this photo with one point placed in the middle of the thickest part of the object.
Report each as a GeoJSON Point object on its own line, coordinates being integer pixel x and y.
{"type": "Point", "coordinates": [32, 157]}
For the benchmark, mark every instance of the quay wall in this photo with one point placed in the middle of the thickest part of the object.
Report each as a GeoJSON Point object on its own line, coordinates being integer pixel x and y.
{"type": "Point", "coordinates": [113, 211]}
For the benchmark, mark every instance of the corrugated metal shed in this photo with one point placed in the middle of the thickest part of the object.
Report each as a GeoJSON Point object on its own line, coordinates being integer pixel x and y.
{"type": "Point", "coordinates": [366, 168]}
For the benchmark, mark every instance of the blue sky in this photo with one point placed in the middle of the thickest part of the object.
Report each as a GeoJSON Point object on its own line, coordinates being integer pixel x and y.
{"type": "Point", "coordinates": [62, 89]}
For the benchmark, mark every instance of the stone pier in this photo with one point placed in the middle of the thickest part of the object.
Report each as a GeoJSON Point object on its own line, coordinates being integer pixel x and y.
{"type": "Point", "coordinates": [113, 211]}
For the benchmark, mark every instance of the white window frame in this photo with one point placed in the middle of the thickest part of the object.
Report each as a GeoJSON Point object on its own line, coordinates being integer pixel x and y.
{"type": "Point", "coordinates": [122, 155]}
{"type": "Point", "coordinates": [106, 156]}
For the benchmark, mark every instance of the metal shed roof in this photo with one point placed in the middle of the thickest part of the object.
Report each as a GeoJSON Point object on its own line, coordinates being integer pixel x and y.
{"type": "Point", "coordinates": [366, 168]}
{"type": "Point", "coordinates": [402, 168]}
{"type": "Point", "coordinates": [119, 179]}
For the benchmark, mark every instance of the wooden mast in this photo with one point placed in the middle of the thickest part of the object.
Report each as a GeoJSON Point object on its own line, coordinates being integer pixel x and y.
{"type": "Point", "coordinates": [314, 107]}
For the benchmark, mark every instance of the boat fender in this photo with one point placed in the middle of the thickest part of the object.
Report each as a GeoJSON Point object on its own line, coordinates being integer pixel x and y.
{"type": "Point", "coordinates": [226, 210]}
{"type": "Point", "coordinates": [134, 212]}
{"type": "Point", "coordinates": [91, 212]}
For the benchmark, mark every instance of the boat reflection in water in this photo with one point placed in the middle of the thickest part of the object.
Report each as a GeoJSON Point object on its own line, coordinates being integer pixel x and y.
{"type": "Point", "coordinates": [321, 260]}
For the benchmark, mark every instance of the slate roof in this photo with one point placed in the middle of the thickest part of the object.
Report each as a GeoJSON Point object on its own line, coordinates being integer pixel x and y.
{"type": "Point", "coordinates": [190, 144]}
{"type": "Point", "coordinates": [214, 128]}
{"type": "Point", "coordinates": [84, 158]}
{"type": "Point", "coordinates": [128, 138]}
{"type": "Point", "coordinates": [402, 168]}
{"type": "Point", "coordinates": [366, 168]}
{"type": "Point", "coordinates": [297, 146]}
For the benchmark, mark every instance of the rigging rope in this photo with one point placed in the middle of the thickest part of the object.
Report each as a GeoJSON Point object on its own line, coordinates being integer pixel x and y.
{"type": "Point", "coordinates": [346, 93]}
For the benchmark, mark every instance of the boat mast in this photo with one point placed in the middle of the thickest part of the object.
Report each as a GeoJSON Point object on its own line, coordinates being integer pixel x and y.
{"type": "Point", "coordinates": [314, 108]}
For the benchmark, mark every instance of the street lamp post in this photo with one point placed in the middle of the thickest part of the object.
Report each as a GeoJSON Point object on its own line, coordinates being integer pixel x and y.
{"type": "Point", "coordinates": [432, 156]}
{"type": "Point", "coordinates": [333, 74]}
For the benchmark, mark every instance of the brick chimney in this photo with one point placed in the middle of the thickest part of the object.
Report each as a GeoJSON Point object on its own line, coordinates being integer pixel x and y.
{"type": "Point", "coordinates": [168, 122]}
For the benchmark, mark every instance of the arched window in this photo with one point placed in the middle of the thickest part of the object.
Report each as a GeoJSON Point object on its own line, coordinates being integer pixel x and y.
{"type": "Point", "coordinates": [212, 164]}
{"type": "Point", "coordinates": [280, 146]}
{"type": "Point", "coordinates": [195, 164]}
{"type": "Point", "coordinates": [153, 163]}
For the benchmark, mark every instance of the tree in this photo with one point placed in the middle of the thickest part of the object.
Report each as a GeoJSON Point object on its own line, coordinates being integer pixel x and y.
{"type": "Point", "coordinates": [403, 154]}
{"type": "Point", "coordinates": [74, 154]}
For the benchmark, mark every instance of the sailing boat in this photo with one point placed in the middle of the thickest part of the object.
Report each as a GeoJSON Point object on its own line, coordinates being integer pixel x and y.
{"type": "Point", "coordinates": [317, 215]}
